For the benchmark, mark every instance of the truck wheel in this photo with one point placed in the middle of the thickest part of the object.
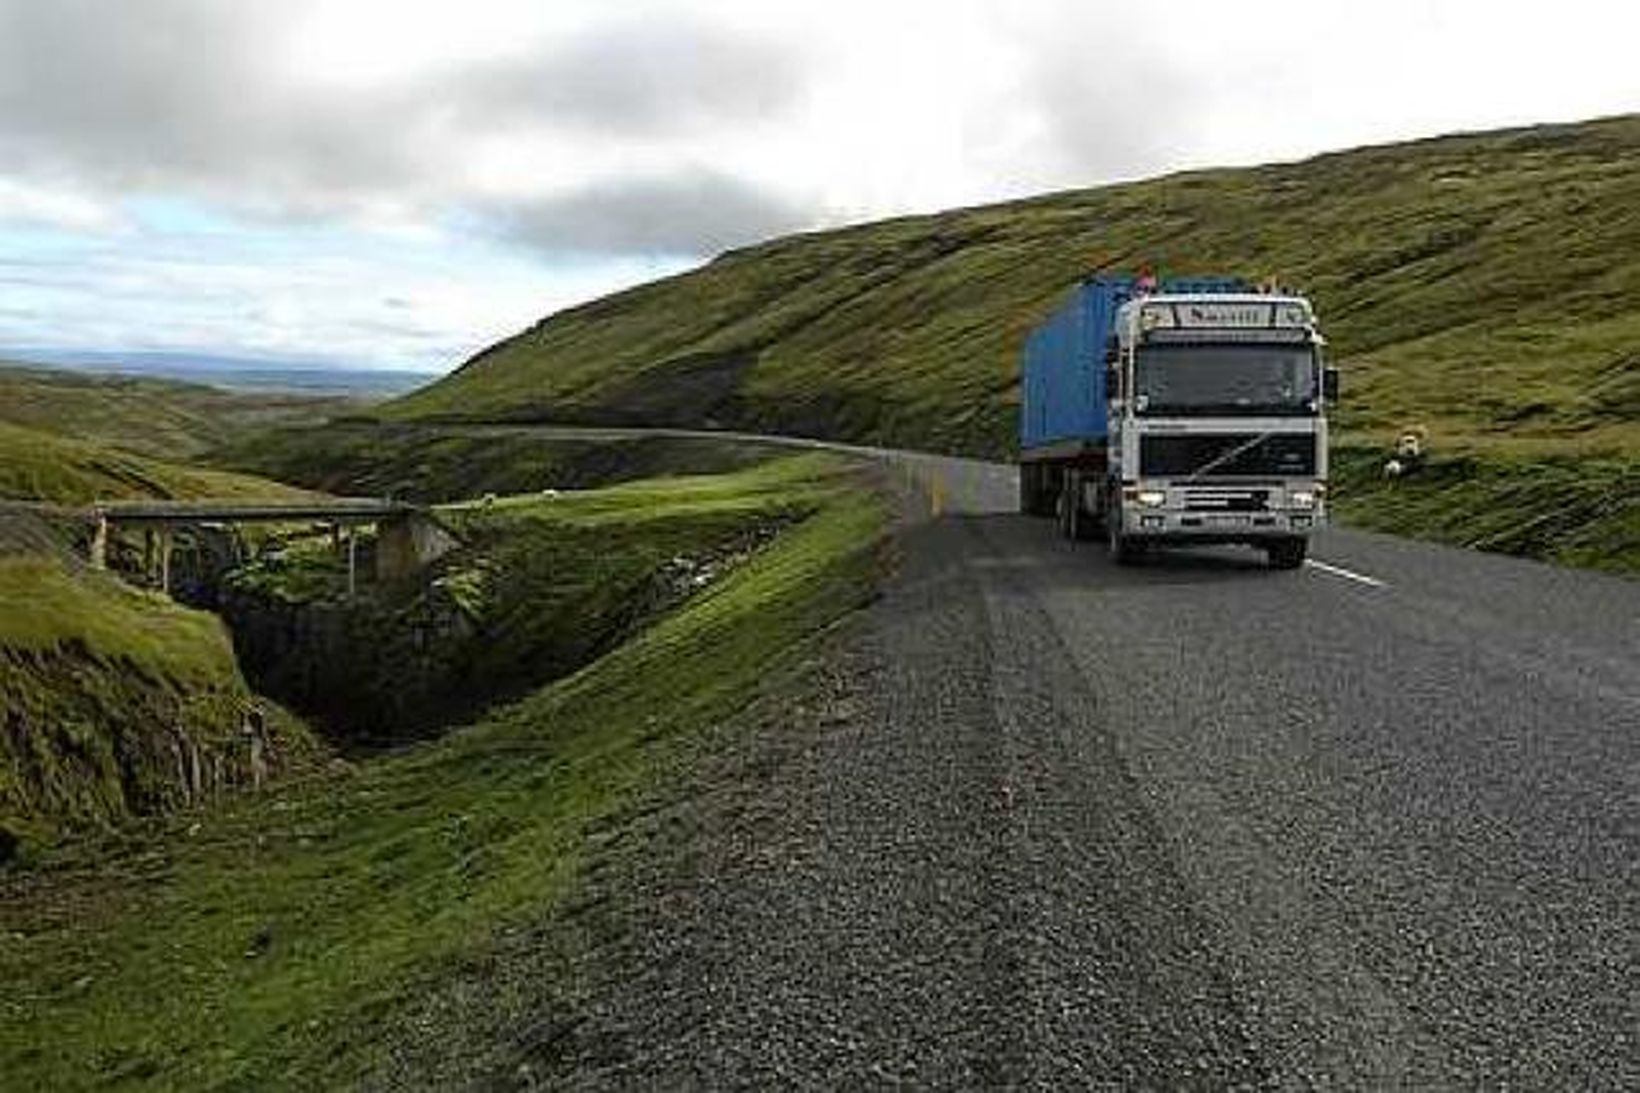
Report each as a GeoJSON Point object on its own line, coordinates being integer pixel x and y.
{"type": "Point", "coordinates": [1075, 522]}
{"type": "Point", "coordinates": [1063, 511]}
{"type": "Point", "coordinates": [1287, 553]}
{"type": "Point", "coordinates": [1123, 550]}
{"type": "Point", "coordinates": [1035, 498]}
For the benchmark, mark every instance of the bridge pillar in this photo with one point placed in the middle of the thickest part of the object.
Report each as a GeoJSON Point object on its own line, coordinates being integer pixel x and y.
{"type": "Point", "coordinates": [99, 543]}
{"type": "Point", "coordinates": [352, 562]}
{"type": "Point", "coordinates": [406, 543]}
{"type": "Point", "coordinates": [165, 559]}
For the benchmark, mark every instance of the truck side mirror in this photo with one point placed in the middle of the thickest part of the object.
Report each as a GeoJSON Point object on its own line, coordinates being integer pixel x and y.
{"type": "Point", "coordinates": [1329, 384]}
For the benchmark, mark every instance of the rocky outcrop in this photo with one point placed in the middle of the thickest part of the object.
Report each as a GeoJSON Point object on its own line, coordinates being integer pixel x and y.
{"type": "Point", "coordinates": [369, 671]}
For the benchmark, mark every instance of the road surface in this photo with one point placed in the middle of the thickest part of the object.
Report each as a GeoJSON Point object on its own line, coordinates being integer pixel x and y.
{"type": "Point", "coordinates": [1371, 823]}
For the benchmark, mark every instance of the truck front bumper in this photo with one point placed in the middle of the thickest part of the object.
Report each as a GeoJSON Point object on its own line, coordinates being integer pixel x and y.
{"type": "Point", "coordinates": [1223, 527]}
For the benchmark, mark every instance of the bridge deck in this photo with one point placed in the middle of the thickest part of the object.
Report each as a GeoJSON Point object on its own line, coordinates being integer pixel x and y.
{"type": "Point", "coordinates": [341, 510]}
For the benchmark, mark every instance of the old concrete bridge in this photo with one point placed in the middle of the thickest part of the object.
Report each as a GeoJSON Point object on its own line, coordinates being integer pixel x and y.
{"type": "Point", "coordinates": [408, 536]}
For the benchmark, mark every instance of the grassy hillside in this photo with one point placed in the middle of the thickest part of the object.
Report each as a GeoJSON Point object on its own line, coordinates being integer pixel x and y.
{"type": "Point", "coordinates": [117, 703]}
{"type": "Point", "coordinates": [539, 586]}
{"type": "Point", "coordinates": [46, 466]}
{"type": "Point", "coordinates": [165, 419]}
{"type": "Point", "coordinates": [113, 702]}
{"type": "Point", "coordinates": [1484, 287]}
{"type": "Point", "coordinates": [438, 464]}
{"type": "Point", "coordinates": [282, 942]}
{"type": "Point", "coordinates": [1570, 508]}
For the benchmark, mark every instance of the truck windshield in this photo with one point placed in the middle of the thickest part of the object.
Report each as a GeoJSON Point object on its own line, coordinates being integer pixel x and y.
{"type": "Point", "coordinates": [1225, 379]}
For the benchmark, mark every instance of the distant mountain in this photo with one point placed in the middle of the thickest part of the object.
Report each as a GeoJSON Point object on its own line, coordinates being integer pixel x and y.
{"type": "Point", "coordinates": [305, 376]}
{"type": "Point", "coordinates": [1485, 286]}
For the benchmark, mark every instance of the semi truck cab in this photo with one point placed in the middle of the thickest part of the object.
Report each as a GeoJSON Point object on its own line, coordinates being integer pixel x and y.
{"type": "Point", "coordinates": [1217, 423]}
{"type": "Point", "coordinates": [1192, 414]}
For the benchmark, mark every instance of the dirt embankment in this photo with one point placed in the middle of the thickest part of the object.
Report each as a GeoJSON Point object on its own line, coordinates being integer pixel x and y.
{"type": "Point", "coordinates": [117, 703]}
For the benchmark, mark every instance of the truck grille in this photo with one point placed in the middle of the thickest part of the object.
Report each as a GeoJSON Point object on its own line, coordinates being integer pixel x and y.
{"type": "Point", "coordinates": [1278, 456]}
{"type": "Point", "coordinates": [1210, 499]}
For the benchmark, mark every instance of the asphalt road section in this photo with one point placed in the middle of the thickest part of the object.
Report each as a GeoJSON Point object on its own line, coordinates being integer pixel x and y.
{"type": "Point", "coordinates": [1371, 823]}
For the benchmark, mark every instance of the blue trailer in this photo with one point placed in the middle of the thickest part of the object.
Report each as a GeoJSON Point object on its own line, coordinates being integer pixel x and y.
{"type": "Point", "coordinates": [1189, 409]}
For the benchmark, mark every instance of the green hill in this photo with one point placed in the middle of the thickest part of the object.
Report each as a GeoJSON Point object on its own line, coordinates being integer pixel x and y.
{"type": "Point", "coordinates": [42, 466]}
{"type": "Point", "coordinates": [1483, 285]}
{"type": "Point", "coordinates": [163, 418]}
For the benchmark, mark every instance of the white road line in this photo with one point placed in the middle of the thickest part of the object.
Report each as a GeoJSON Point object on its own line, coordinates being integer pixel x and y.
{"type": "Point", "coordinates": [1347, 574]}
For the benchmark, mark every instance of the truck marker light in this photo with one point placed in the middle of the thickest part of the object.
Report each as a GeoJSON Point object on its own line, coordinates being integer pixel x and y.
{"type": "Point", "coordinates": [1151, 499]}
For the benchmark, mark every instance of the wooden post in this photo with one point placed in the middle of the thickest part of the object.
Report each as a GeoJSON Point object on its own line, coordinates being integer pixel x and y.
{"type": "Point", "coordinates": [147, 554]}
{"type": "Point", "coordinates": [352, 561]}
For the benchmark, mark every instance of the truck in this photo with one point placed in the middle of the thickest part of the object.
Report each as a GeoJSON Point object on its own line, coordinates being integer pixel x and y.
{"type": "Point", "coordinates": [1185, 410]}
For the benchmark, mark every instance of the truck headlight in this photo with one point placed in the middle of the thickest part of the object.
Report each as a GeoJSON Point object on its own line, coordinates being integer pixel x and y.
{"type": "Point", "coordinates": [1151, 499]}
{"type": "Point", "coordinates": [1301, 499]}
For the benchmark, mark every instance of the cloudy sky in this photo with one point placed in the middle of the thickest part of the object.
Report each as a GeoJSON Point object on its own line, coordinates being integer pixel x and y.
{"type": "Point", "coordinates": [395, 183]}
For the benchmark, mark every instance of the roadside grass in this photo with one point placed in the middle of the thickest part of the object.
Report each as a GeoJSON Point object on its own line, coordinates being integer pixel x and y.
{"type": "Point", "coordinates": [272, 945]}
{"type": "Point", "coordinates": [1575, 510]}
{"type": "Point", "coordinates": [43, 466]}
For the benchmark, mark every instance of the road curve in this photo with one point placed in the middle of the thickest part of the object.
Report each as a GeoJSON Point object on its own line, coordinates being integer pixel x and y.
{"type": "Point", "coordinates": [1372, 823]}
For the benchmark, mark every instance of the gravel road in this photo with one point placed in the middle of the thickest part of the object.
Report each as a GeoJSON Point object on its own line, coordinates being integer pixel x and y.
{"type": "Point", "coordinates": [1372, 823]}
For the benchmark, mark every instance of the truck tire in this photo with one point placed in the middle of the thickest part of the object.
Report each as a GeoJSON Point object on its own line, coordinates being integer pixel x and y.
{"type": "Point", "coordinates": [1075, 522]}
{"type": "Point", "coordinates": [1287, 553]}
{"type": "Point", "coordinates": [1122, 548]}
{"type": "Point", "coordinates": [1035, 497]}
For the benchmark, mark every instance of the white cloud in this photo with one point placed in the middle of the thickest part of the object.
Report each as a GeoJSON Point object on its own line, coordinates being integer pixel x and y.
{"type": "Point", "coordinates": [58, 207]}
{"type": "Point", "coordinates": [220, 101]}
{"type": "Point", "coordinates": [653, 133]}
